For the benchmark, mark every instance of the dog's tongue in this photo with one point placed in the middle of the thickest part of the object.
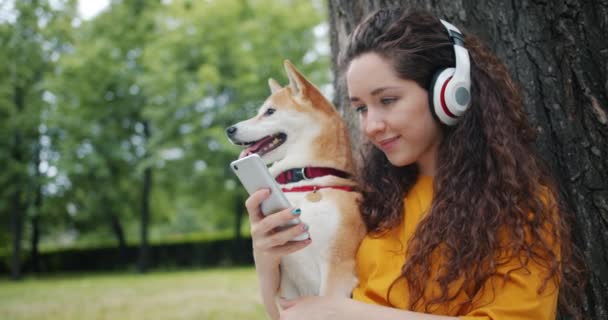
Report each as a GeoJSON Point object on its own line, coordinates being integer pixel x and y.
{"type": "Point", "coordinates": [255, 147]}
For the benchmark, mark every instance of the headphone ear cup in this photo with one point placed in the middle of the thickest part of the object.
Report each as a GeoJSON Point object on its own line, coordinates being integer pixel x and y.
{"type": "Point", "coordinates": [438, 102]}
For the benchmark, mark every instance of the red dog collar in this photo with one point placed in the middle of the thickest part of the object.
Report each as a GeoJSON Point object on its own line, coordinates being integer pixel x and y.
{"type": "Point", "coordinates": [315, 188]}
{"type": "Point", "coordinates": [299, 174]}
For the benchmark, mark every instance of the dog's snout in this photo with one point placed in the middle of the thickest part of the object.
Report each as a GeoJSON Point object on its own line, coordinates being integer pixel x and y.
{"type": "Point", "coordinates": [231, 131]}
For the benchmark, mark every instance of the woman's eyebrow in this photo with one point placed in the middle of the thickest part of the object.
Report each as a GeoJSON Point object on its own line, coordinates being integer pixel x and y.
{"type": "Point", "coordinates": [378, 91]}
{"type": "Point", "coordinates": [374, 92]}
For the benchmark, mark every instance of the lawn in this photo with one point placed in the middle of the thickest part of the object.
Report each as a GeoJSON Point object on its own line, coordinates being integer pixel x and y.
{"type": "Point", "coordinates": [202, 294]}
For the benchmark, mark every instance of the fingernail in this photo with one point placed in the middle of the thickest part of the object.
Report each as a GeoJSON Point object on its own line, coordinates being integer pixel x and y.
{"type": "Point", "coordinates": [305, 227]}
{"type": "Point", "coordinates": [296, 211]}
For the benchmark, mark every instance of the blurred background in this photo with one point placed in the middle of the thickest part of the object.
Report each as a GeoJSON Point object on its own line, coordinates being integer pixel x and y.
{"type": "Point", "coordinates": [112, 145]}
{"type": "Point", "coordinates": [113, 115]}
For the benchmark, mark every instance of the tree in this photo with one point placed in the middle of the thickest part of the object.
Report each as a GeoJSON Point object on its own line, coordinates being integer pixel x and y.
{"type": "Point", "coordinates": [557, 51]}
{"type": "Point", "coordinates": [28, 36]}
{"type": "Point", "coordinates": [24, 74]}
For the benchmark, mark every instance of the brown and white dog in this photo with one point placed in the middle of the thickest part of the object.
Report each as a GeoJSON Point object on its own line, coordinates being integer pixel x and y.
{"type": "Point", "coordinates": [299, 133]}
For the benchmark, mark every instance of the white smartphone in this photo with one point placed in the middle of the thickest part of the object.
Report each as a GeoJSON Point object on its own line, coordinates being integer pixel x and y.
{"type": "Point", "coordinates": [254, 175]}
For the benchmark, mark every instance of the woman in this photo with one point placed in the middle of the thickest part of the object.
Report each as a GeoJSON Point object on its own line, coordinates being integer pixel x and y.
{"type": "Point", "coordinates": [463, 220]}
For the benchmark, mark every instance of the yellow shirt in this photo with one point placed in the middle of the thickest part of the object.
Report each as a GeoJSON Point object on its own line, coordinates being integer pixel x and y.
{"type": "Point", "coordinates": [379, 262]}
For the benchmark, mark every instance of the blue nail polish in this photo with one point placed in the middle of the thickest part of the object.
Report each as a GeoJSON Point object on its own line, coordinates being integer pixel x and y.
{"type": "Point", "coordinates": [296, 211]}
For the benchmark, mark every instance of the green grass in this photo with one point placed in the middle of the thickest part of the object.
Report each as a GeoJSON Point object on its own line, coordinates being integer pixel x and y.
{"type": "Point", "coordinates": [202, 294]}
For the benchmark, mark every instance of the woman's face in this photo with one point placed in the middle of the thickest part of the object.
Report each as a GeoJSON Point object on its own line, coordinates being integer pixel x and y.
{"type": "Point", "coordinates": [393, 113]}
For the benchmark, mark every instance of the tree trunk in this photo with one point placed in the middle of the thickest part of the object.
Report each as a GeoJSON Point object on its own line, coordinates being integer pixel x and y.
{"type": "Point", "coordinates": [145, 211]}
{"type": "Point", "coordinates": [35, 240]}
{"type": "Point", "coordinates": [118, 231]}
{"type": "Point", "coordinates": [558, 52]}
{"type": "Point", "coordinates": [239, 208]}
{"type": "Point", "coordinates": [35, 219]}
{"type": "Point", "coordinates": [16, 233]}
{"type": "Point", "coordinates": [17, 207]}
{"type": "Point", "coordinates": [114, 221]}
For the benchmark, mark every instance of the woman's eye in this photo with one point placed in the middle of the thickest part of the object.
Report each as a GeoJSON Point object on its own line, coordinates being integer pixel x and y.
{"type": "Point", "coordinates": [387, 101]}
{"type": "Point", "coordinates": [269, 111]}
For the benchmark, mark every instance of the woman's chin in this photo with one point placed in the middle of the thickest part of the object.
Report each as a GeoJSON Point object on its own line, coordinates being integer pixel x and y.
{"type": "Point", "coordinates": [399, 160]}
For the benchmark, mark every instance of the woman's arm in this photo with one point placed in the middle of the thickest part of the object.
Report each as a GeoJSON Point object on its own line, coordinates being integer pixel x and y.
{"type": "Point", "coordinates": [325, 308]}
{"type": "Point", "coordinates": [269, 279]}
{"type": "Point", "coordinates": [269, 245]}
{"type": "Point", "coordinates": [501, 297]}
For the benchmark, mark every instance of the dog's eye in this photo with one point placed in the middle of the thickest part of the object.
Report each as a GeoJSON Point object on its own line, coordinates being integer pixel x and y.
{"type": "Point", "coordinates": [269, 111]}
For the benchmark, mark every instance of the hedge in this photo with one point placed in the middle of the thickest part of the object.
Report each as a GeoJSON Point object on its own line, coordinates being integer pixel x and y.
{"type": "Point", "coordinates": [188, 253]}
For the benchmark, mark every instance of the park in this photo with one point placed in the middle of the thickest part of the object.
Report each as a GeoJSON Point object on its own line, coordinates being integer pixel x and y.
{"type": "Point", "coordinates": [116, 198]}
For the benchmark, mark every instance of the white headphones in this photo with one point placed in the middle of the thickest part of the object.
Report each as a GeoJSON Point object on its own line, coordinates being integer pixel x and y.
{"type": "Point", "coordinates": [450, 88]}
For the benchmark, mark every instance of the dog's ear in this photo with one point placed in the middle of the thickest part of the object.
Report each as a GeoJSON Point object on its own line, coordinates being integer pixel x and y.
{"type": "Point", "coordinates": [305, 90]}
{"type": "Point", "coordinates": [297, 82]}
{"type": "Point", "coordinates": [274, 86]}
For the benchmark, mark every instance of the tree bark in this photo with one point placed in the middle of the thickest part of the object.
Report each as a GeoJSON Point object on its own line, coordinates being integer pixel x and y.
{"type": "Point", "coordinates": [558, 52]}
{"type": "Point", "coordinates": [145, 211]}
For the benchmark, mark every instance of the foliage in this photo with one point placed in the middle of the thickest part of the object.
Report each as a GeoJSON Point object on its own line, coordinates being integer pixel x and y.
{"type": "Point", "coordinates": [31, 36]}
{"type": "Point", "coordinates": [144, 84]}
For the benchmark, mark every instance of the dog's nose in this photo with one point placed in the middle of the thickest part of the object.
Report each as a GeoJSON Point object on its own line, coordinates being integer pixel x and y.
{"type": "Point", "coordinates": [231, 131]}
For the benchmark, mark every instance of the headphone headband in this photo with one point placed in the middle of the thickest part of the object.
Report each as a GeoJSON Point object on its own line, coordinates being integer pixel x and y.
{"type": "Point", "coordinates": [455, 34]}
{"type": "Point", "coordinates": [462, 74]}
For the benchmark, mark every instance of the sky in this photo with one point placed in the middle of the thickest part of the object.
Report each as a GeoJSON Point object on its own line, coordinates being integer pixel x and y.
{"type": "Point", "coordinates": [87, 9]}
{"type": "Point", "coordinates": [90, 8]}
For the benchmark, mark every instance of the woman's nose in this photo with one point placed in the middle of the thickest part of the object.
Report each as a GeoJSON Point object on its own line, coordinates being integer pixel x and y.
{"type": "Point", "coordinates": [373, 123]}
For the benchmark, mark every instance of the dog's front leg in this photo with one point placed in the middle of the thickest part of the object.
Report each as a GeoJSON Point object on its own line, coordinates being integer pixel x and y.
{"type": "Point", "coordinates": [338, 279]}
{"type": "Point", "coordinates": [288, 289]}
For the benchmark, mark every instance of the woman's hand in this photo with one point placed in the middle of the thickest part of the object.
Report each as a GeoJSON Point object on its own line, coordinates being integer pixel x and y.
{"type": "Point", "coordinates": [269, 242]}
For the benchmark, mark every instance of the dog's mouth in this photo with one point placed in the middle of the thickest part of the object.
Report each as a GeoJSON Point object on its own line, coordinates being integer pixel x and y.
{"type": "Point", "coordinates": [264, 145]}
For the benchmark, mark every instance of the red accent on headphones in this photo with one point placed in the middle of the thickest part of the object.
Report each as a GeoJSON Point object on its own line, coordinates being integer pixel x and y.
{"type": "Point", "coordinates": [443, 105]}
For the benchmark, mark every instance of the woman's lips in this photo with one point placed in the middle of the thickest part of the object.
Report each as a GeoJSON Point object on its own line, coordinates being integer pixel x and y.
{"type": "Point", "coordinates": [389, 143]}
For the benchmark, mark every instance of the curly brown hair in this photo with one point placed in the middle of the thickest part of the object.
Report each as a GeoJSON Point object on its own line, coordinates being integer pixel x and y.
{"type": "Point", "coordinates": [489, 180]}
